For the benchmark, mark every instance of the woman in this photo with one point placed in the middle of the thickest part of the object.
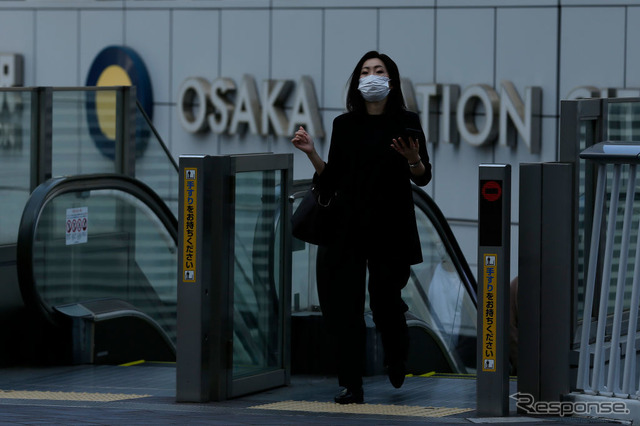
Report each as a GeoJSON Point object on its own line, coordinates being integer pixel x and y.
{"type": "Point", "coordinates": [372, 160]}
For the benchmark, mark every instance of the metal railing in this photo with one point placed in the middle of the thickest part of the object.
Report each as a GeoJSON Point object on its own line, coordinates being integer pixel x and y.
{"type": "Point", "coordinates": [608, 362]}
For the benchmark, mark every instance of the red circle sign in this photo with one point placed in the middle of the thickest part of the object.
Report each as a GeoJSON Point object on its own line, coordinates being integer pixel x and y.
{"type": "Point", "coordinates": [491, 190]}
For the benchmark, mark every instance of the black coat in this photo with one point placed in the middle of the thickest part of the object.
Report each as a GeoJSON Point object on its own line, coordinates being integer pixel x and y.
{"type": "Point", "coordinates": [373, 183]}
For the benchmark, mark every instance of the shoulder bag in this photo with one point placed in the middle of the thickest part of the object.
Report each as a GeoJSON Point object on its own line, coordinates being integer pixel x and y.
{"type": "Point", "coordinates": [313, 221]}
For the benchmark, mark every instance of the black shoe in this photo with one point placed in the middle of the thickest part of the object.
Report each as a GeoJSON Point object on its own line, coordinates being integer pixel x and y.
{"type": "Point", "coordinates": [396, 372]}
{"type": "Point", "coordinates": [350, 396]}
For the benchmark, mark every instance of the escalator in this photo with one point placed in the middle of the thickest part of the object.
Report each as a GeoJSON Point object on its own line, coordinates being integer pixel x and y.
{"type": "Point", "coordinates": [96, 257]}
{"type": "Point", "coordinates": [64, 302]}
{"type": "Point", "coordinates": [441, 295]}
{"type": "Point", "coordinates": [442, 298]}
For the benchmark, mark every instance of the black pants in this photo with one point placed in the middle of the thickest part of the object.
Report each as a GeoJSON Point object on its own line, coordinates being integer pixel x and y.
{"type": "Point", "coordinates": [341, 275]}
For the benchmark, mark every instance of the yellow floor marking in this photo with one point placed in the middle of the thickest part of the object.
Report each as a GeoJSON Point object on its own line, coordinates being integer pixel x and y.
{"type": "Point", "coordinates": [129, 364]}
{"type": "Point", "coordinates": [429, 374]}
{"type": "Point", "coordinates": [388, 410]}
{"type": "Point", "coordinates": [68, 396]}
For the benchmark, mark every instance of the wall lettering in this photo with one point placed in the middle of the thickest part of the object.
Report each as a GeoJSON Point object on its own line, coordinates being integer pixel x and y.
{"type": "Point", "coordinates": [206, 107]}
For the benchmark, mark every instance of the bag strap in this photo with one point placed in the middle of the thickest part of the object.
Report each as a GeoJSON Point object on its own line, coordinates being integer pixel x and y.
{"type": "Point", "coordinates": [316, 191]}
{"type": "Point", "coordinates": [324, 205]}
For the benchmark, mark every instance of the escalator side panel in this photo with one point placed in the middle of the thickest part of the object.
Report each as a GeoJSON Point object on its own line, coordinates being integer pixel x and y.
{"type": "Point", "coordinates": [117, 261]}
{"type": "Point", "coordinates": [118, 341]}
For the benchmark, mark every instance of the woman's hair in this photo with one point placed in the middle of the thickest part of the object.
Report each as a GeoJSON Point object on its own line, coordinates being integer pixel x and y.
{"type": "Point", "coordinates": [395, 100]}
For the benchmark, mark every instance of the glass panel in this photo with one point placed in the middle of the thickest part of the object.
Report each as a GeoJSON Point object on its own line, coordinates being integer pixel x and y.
{"type": "Point", "coordinates": [623, 121]}
{"type": "Point", "coordinates": [83, 132]}
{"type": "Point", "coordinates": [127, 254]}
{"type": "Point", "coordinates": [304, 293]}
{"type": "Point", "coordinates": [437, 297]}
{"type": "Point", "coordinates": [257, 343]}
{"type": "Point", "coordinates": [154, 165]}
{"type": "Point", "coordinates": [15, 158]}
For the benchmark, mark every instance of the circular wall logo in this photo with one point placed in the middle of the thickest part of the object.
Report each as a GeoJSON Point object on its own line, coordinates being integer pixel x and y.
{"type": "Point", "coordinates": [117, 66]}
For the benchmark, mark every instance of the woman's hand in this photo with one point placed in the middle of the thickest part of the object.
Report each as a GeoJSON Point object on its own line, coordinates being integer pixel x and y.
{"type": "Point", "coordinates": [408, 149]}
{"type": "Point", "coordinates": [303, 141]}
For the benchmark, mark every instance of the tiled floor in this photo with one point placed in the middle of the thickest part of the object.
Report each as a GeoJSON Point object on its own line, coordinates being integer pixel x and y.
{"type": "Point", "coordinates": [145, 394]}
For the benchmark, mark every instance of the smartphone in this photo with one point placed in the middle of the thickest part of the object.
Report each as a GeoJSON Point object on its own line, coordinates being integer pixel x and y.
{"type": "Point", "coordinates": [416, 134]}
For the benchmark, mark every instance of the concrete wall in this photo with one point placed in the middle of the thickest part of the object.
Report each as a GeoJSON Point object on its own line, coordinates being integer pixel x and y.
{"type": "Point", "coordinates": [554, 45]}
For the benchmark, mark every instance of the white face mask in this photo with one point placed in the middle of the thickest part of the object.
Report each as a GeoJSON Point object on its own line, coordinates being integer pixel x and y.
{"type": "Point", "coordinates": [374, 88]}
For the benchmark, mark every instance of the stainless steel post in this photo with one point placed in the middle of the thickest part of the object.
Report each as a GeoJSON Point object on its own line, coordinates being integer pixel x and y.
{"type": "Point", "coordinates": [205, 320]}
{"type": "Point", "coordinates": [547, 264]}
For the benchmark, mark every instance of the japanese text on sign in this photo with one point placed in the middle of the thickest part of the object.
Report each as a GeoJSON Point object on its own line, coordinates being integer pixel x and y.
{"type": "Point", "coordinates": [189, 231]}
{"type": "Point", "coordinates": [490, 279]}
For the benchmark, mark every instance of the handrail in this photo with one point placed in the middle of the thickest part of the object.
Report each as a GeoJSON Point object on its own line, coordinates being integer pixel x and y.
{"type": "Point", "coordinates": [87, 310]}
{"type": "Point", "coordinates": [613, 152]}
{"type": "Point", "coordinates": [437, 218]}
{"type": "Point", "coordinates": [424, 203]}
{"type": "Point", "coordinates": [431, 209]}
{"type": "Point", "coordinates": [157, 135]}
{"type": "Point", "coordinates": [60, 185]}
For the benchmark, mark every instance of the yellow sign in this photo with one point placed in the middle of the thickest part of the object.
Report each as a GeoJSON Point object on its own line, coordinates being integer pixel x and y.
{"type": "Point", "coordinates": [189, 223]}
{"type": "Point", "coordinates": [490, 279]}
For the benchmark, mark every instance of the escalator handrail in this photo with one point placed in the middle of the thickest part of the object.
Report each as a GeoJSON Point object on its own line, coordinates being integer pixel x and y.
{"type": "Point", "coordinates": [423, 201]}
{"type": "Point", "coordinates": [60, 185]}
{"type": "Point", "coordinates": [157, 135]}
{"type": "Point", "coordinates": [122, 311]}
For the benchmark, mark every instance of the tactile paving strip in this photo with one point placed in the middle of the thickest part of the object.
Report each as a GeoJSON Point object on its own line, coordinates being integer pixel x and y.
{"type": "Point", "coordinates": [381, 409]}
{"type": "Point", "coordinates": [68, 396]}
